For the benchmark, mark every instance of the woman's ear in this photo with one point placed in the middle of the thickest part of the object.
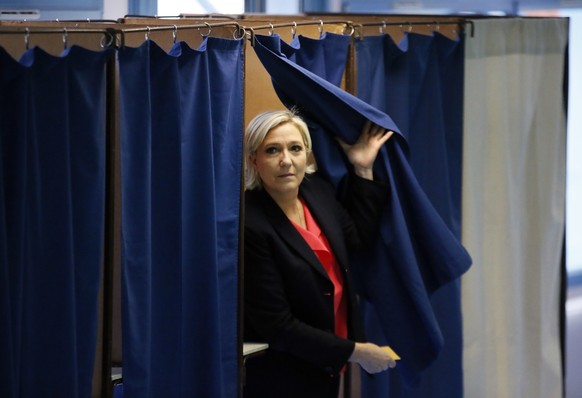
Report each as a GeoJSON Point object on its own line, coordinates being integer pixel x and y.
{"type": "Point", "coordinates": [253, 160]}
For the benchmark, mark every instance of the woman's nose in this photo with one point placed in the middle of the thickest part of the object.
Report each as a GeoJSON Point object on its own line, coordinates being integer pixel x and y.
{"type": "Point", "coordinates": [285, 159]}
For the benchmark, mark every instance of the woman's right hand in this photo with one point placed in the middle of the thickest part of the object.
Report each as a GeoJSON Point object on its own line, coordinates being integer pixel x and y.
{"type": "Point", "coordinates": [372, 358]}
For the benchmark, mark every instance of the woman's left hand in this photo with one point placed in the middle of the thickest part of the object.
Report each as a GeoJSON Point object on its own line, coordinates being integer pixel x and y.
{"type": "Point", "coordinates": [363, 152]}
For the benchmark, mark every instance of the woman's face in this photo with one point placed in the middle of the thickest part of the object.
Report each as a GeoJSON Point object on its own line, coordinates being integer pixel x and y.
{"type": "Point", "coordinates": [280, 160]}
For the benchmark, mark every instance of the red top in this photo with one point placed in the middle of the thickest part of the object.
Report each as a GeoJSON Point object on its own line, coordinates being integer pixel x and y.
{"type": "Point", "coordinates": [316, 239]}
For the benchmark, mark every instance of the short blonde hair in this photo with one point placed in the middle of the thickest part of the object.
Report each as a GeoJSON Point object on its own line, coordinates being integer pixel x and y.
{"type": "Point", "coordinates": [256, 132]}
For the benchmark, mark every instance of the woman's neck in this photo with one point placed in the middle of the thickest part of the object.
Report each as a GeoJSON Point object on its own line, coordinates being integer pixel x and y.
{"type": "Point", "coordinates": [292, 207]}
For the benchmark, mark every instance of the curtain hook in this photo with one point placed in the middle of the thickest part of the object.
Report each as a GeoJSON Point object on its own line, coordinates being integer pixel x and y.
{"type": "Point", "coordinates": [175, 33]}
{"type": "Point", "coordinates": [65, 34]}
{"type": "Point", "coordinates": [147, 34]}
{"type": "Point", "coordinates": [320, 28]}
{"type": "Point", "coordinates": [271, 29]}
{"type": "Point", "coordinates": [26, 37]}
{"type": "Point", "coordinates": [294, 29]}
{"type": "Point", "coordinates": [251, 35]}
{"type": "Point", "coordinates": [358, 31]}
{"type": "Point", "coordinates": [409, 27]}
{"type": "Point", "coordinates": [209, 30]}
{"type": "Point", "coordinates": [383, 27]}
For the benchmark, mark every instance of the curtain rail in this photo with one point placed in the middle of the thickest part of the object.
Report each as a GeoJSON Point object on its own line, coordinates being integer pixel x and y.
{"type": "Point", "coordinates": [111, 35]}
{"type": "Point", "coordinates": [62, 29]}
{"type": "Point", "coordinates": [353, 26]}
{"type": "Point", "coordinates": [410, 24]}
{"type": "Point", "coordinates": [293, 25]}
{"type": "Point", "coordinates": [238, 33]}
{"type": "Point", "coordinates": [179, 27]}
{"type": "Point", "coordinates": [106, 41]}
{"type": "Point", "coordinates": [45, 30]}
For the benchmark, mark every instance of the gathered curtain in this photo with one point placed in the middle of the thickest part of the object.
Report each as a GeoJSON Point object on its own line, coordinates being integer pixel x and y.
{"type": "Point", "coordinates": [416, 251]}
{"type": "Point", "coordinates": [52, 192]}
{"type": "Point", "coordinates": [419, 83]}
{"type": "Point", "coordinates": [181, 145]}
{"type": "Point", "coordinates": [513, 206]}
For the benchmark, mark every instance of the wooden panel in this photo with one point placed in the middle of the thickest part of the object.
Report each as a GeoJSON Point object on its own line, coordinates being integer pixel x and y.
{"type": "Point", "coordinates": [260, 95]}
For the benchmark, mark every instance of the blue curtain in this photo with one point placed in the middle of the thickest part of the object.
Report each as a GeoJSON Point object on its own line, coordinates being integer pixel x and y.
{"type": "Point", "coordinates": [52, 184]}
{"type": "Point", "coordinates": [419, 82]}
{"type": "Point", "coordinates": [181, 140]}
{"type": "Point", "coordinates": [416, 252]}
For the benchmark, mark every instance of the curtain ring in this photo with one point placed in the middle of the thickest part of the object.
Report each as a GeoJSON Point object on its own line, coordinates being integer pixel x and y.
{"type": "Point", "coordinates": [294, 29]}
{"type": "Point", "coordinates": [175, 33]}
{"type": "Point", "coordinates": [383, 27]}
{"type": "Point", "coordinates": [107, 40]}
{"type": "Point", "coordinates": [320, 28]}
{"type": "Point", "coordinates": [26, 37]}
{"type": "Point", "coordinates": [352, 29]}
{"type": "Point", "coordinates": [65, 34]}
{"type": "Point", "coordinates": [147, 34]}
{"type": "Point", "coordinates": [239, 30]}
{"type": "Point", "coordinates": [271, 29]}
{"type": "Point", "coordinates": [207, 33]}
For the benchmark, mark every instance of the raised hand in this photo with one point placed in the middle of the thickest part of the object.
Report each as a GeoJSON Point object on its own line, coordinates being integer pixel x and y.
{"type": "Point", "coordinates": [364, 151]}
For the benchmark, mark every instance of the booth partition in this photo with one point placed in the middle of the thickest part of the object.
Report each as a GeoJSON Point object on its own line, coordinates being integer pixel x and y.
{"type": "Point", "coordinates": [121, 196]}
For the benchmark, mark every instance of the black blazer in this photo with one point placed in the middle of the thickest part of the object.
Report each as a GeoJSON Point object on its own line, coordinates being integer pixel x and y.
{"type": "Point", "coordinates": [288, 295]}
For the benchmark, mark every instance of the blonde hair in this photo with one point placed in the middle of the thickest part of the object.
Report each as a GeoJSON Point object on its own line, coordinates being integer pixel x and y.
{"type": "Point", "coordinates": [256, 132]}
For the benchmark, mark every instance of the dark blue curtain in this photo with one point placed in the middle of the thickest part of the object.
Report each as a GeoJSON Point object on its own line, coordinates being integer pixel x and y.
{"type": "Point", "coordinates": [52, 184]}
{"type": "Point", "coordinates": [419, 82]}
{"type": "Point", "coordinates": [181, 140]}
{"type": "Point", "coordinates": [416, 252]}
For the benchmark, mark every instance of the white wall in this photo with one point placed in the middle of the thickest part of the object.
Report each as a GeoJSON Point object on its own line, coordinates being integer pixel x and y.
{"type": "Point", "coordinates": [114, 9]}
{"type": "Point", "coordinates": [176, 7]}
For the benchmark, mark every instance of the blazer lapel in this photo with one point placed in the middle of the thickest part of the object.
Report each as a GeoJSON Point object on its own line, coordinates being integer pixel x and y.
{"type": "Point", "coordinates": [289, 234]}
{"type": "Point", "coordinates": [326, 222]}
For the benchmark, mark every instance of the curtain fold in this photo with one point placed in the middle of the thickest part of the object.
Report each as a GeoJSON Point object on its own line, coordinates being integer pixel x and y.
{"type": "Point", "coordinates": [513, 206]}
{"type": "Point", "coordinates": [419, 83]}
{"type": "Point", "coordinates": [416, 252]}
{"type": "Point", "coordinates": [52, 186]}
{"type": "Point", "coordinates": [181, 139]}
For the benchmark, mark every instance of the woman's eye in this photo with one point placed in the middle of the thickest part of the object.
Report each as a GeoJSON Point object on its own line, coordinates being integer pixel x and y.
{"type": "Point", "coordinates": [271, 150]}
{"type": "Point", "coordinates": [296, 148]}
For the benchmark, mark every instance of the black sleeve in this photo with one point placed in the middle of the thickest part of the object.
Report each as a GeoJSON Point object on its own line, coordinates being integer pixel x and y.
{"type": "Point", "coordinates": [363, 201]}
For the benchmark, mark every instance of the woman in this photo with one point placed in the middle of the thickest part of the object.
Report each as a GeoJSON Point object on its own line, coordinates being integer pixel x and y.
{"type": "Point", "coordinates": [298, 296]}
